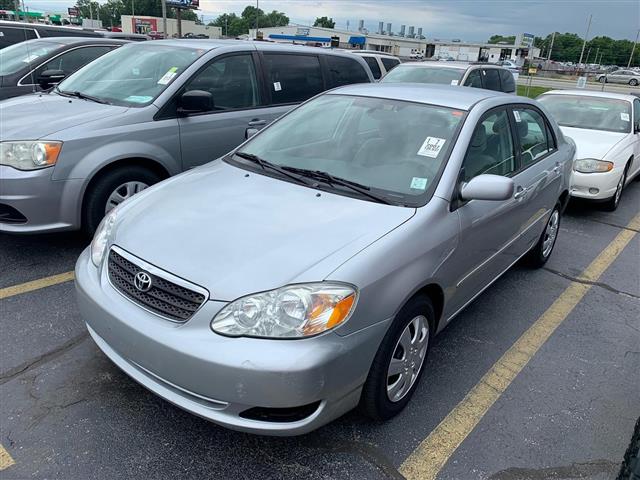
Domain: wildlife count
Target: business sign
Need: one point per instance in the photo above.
(73, 11)
(302, 31)
(582, 82)
(195, 4)
(525, 40)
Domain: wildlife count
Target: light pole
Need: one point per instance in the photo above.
(164, 18)
(584, 44)
(133, 8)
(633, 49)
(553, 37)
(257, 10)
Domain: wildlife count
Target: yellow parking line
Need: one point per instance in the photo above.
(5, 459)
(35, 284)
(433, 453)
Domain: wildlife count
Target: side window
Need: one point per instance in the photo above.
(373, 65)
(344, 71)
(74, 59)
(636, 114)
(389, 63)
(293, 78)
(508, 83)
(533, 135)
(473, 79)
(491, 147)
(491, 79)
(10, 35)
(231, 80)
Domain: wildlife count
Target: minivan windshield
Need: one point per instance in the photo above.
(132, 75)
(19, 55)
(395, 149)
(592, 113)
(422, 74)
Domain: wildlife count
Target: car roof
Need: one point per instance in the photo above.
(591, 93)
(75, 40)
(370, 52)
(461, 98)
(432, 64)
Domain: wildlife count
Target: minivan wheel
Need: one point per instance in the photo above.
(399, 362)
(112, 189)
(541, 251)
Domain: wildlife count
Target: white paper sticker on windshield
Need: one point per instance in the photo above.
(30, 58)
(138, 98)
(418, 183)
(276, 86)
(166, 78)
(431, 147)
(517, 115)
(624, 116)
(454, 82)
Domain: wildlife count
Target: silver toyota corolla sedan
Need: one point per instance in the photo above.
(308, 271)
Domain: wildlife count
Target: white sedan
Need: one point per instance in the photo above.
(606, 129)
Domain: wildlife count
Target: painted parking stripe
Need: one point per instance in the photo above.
(5, 459)
(36, 284)
(433, 453)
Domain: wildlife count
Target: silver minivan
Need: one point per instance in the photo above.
(142, 113)
(308, 271)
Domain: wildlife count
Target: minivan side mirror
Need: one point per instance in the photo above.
(488, 187)
(195, 101)
(49, 78)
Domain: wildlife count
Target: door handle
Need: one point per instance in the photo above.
(520, 193)
(557, 168)
(256, 122)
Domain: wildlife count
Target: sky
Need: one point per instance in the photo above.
(468, 20)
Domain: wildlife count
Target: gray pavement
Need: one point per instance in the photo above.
(68, 413)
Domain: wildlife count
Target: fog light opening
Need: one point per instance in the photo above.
(291, 414)
(594, 191)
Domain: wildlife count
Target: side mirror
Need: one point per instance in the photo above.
(50, 78)
(250, 132)
(488, 187)
(195, 101)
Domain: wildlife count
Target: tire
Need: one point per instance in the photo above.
(542, 250)
(95, 199)
(602, 79)
(612, 204)
(375, 401)
(633, 82)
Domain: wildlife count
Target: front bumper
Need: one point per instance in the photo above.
(42, 204)
(218, 378)
(605, 183)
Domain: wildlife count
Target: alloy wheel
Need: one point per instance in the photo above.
(407, 359)
(550, 233)
(122, 193)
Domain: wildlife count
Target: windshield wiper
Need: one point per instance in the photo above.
(266, 164)
(332, 180)
(81, 95)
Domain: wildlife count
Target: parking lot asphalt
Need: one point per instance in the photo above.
(567, 411)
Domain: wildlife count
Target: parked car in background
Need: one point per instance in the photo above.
(142, 113)
(34, 65)
(380, 63)
(309, 271)
(16, 32)
(606, 129)
(508, 64)
(482, 75)
(628, 77)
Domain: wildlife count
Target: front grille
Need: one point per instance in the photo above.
(164, 297)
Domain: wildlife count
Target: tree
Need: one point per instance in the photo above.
(7, 5)
(232, 25)
(112, 10)
(324, 22)
(500, 39)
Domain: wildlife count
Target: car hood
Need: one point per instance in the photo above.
(235, 232)
(592, 143)
(34, 116)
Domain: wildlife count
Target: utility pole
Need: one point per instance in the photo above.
(164, 18)
(133, 8)
(179, 21)
(257, 7)
(584, 44)
(595, 60)
(633, 49)
(90, 10)
(586, 60)
(16, 5)
(553, 37)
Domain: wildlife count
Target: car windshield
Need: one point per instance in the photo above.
(17, 56)
(422, 74)
(132, 75)
(592, 113)
(396, 149)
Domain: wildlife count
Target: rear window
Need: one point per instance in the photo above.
(345, 71)
(373, 65)
(293, 78)
(492, 79)
(389, 63)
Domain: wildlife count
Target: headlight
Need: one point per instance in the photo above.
(102, 236)
(29, 155)
(591, 165)
(289, 312)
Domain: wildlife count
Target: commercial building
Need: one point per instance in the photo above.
(409, 46)
(147, 25)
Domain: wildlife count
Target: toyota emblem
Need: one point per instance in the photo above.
(142, 281)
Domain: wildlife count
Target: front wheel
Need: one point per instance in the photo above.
(612, 204)
(603, 80)
(541, 251)
(633, 82)
(399, 362)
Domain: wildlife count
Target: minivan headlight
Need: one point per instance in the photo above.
(102, 236)
(293, 311)
(592, 165)
(29, 155)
